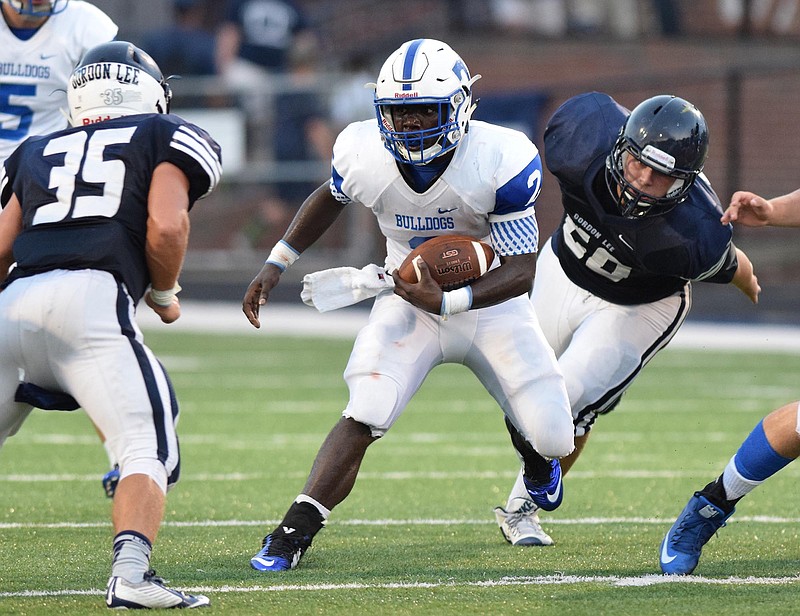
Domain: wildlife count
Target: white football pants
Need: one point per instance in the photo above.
(74, 332)
(503, 345)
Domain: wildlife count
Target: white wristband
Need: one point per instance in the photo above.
(282, 255)
(164, 298)
(456, 301)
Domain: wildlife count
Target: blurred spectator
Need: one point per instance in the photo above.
(620, 18)
(253, 47)
(561, 17)
(758, 16)
(669, 17)
(302, 144)
(256, 37)
(186, 47)
(351, 98)
(543, 16)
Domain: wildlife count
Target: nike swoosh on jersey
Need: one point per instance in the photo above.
(666, 557)
(442, 210)
(47, 57)
(624, 241)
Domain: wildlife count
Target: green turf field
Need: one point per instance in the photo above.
(417, 535)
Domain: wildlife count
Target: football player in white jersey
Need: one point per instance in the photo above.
(425, 169)
(41, 42)
(772, 445)
(96, 217)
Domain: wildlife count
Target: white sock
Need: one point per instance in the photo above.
(735, 485)
(323, 511)
(519, 494)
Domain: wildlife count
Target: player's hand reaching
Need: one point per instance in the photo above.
(748, 209)
(257, 293)
(168, 314)
(425, 294)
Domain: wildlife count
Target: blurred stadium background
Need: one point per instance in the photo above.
(737, 60)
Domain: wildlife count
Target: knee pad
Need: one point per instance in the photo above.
(374, 403)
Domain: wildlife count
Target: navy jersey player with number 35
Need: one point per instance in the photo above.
(425, 169)
(96, 217)
(614, 282)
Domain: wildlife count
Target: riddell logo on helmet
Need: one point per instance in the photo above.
(406, 94)
(95, 120)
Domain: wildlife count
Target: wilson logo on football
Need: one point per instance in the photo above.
(455, 268)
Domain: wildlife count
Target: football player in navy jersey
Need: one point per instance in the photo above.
(96, 217)
(614, 282)
(773, 443)
(425, 169)
(41, 41)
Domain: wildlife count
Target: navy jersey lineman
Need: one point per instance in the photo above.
(96, 217)
(425, 169)
(614, 282)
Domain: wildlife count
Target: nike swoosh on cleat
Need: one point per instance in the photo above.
(666, 557)
(266, 563)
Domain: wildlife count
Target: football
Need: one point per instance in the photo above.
(453, 260)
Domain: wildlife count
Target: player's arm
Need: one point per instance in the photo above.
(10, 227)
(318, 212)
(167, 238)
(514, 277)
(744, 279)
(752, 210)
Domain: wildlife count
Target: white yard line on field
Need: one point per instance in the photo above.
(542, 580)
(588, 521)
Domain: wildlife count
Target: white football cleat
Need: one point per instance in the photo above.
(521, 527)
(149, 593)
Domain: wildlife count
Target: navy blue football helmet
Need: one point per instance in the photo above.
(116, 79)
(669, 135)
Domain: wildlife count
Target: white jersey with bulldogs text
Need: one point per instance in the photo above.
(488, 189)
(34, 72)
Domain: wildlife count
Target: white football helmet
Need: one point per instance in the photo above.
(113, 80)
(424, 71)
(37, 8)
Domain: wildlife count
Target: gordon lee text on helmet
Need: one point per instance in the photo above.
(122, 73)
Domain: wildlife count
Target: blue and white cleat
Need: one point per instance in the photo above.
(110, 481)
(547, 496)
(281, 550)
(681, 547)
(149, 593)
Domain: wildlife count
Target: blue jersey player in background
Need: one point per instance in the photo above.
(614, 282)
(96, 217)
